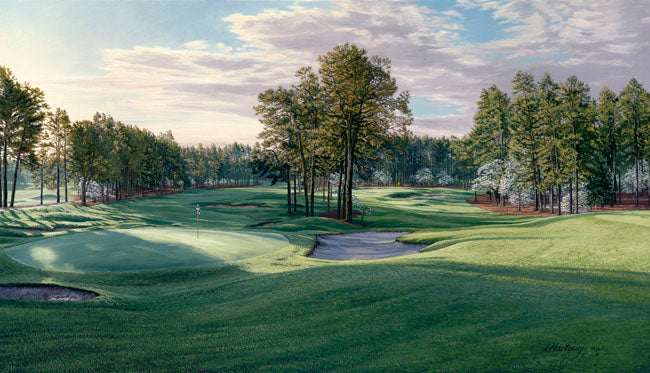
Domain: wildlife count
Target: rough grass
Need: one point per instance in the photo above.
(500, 293)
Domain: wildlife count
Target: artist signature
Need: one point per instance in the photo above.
(573, 351)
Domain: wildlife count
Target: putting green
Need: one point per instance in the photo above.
(143, 249)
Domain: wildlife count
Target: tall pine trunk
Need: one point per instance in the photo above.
(295, 192)
(577, 194)
(13, 187)
(58, 178)
(4, 172)
(559, 199)
(636, 178)
(313, 183)
(338, 196)
(289, 190)
(65, 174)
(329, 192)
(349, 170)
(552, 200)
(636, 162)
(612, 197)
(84, 185)
(570, 196)
(42, 161)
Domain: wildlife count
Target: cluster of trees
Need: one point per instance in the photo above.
(214, 166)
(412, 159)
(331, 121)
(552, 144)
(112, 156)
(22, 118)
(103, 154)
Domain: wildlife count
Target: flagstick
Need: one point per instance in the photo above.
(198, 212)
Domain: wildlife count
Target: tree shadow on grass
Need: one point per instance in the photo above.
(411, 314)
(440, 313)
(129, 253)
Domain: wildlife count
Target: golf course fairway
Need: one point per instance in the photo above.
(487, 293)
(143, 249)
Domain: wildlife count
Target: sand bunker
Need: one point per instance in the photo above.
(433, 195)
(45, 292)
(363, 246)
(235, 206)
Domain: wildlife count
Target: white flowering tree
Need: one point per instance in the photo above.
(363, 209)
(628, 180)
(583, 206)
(514, 186)
(94, 190)
(424, 176)
(488, 177)
(334, 178)
(379, 177)
(444, 178)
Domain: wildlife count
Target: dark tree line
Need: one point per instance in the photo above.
(215, 166)
(554, 142)
(110, 156)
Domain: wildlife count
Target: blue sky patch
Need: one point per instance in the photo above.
(479, 25)
(423, 107)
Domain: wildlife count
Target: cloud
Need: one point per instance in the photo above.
(204, 87)
(196, 45)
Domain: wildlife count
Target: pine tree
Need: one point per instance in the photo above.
(577, 117)
(526, 130)
(634, 104)
(362, 104)
(609, 135)
(58, 128)
(553, 155)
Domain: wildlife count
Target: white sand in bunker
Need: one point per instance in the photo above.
(363, 246)
(45, 292)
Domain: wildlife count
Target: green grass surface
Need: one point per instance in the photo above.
(31, 197)
(143, 249)
(491, 292)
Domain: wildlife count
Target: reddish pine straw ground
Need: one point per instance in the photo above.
(627, 202)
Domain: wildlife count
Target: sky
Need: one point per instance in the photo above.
(196, 67)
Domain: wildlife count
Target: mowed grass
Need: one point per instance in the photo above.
(32, 197)
(143, 249)
(491, 292)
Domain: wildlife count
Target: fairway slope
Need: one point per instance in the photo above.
(491, 293)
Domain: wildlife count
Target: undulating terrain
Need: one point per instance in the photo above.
(490, 293)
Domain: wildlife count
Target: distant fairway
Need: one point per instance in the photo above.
(32, 197)
(143, 249)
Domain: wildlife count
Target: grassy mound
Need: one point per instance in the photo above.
(498, 293)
